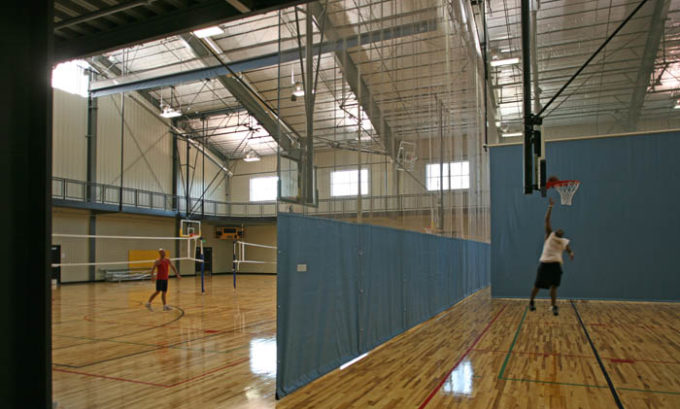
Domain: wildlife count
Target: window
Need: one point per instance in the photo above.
(72, 77)
(346, 182)
(263, 189)
(456, 175)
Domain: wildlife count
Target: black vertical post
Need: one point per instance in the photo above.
(205, 141)
(175, 199)
(175, 174)
(92, 108)
(485, 56)
(26, 212)
(122, 150)
(186, 181)
(308, 187)
(526, 83)
(91, 147)
(92, 245)
(440, 224)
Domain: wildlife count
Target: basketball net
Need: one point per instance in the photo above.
(566, 189)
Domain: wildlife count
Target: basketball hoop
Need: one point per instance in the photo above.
(566, 189)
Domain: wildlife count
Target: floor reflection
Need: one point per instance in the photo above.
(460, 380)
(263, 357)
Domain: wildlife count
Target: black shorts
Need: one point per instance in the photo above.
(162, 285)
(548, 275)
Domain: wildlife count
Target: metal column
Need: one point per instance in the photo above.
(526, 82)
(26, 166)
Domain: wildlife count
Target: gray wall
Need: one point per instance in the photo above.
(623, 223)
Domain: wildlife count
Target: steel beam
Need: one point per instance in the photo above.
(192, 16)
(263, 61)
(252, 102)
(103, 64)
(656, 31)
(351, 71)
(101, 13)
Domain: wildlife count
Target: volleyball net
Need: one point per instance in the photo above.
(88, 257)
(252, 254)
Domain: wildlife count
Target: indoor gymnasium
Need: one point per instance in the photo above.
(340, 204)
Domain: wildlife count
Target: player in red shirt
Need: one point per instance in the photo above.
(161, 266)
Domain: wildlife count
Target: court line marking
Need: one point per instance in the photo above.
(87, 318)
(555, 383)
(226, 351)
(444, 378)
(160, 385)
(514, 340)
(159, 347)
(613, 360)
(135, 353)
(239, 362)
(649, 391)
(114, 378)
(599, 361)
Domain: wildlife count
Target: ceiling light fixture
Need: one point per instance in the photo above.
(506, 61)
(208, 32)
(251, 156)
(677, 104)
(511, 134)
(298, 91)
(169, 112)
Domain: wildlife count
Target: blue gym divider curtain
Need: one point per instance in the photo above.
(623, 224)
(363, 285)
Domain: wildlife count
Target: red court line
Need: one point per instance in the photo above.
(109, 377)
(151, 326)
(613, 360)
(479, 337)
(210, 372)
(114, 378)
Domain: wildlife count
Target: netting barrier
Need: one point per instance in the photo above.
(120, 258)
(241, 258)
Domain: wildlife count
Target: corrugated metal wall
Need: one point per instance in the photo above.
(244, 171)
(147, 143)
(197, 180)
(69, 136)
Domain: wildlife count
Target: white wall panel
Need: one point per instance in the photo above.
(67, 221)
(108, 140)
(69, 135)
(201, 173)
(147, 142)
(244, 171)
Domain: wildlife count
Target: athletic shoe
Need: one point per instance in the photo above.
(555, 310)
(532, 307)
(148, 306)
(166, 308)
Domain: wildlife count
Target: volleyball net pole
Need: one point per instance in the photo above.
(239, 256)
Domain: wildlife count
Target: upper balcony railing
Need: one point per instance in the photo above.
(97, 193)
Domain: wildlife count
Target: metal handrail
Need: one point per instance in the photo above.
(89, 192)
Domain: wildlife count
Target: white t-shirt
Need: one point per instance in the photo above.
(553, 248)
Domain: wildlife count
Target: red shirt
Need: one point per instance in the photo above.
(163, 266)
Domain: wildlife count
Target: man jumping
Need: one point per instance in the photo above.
(550, 270)
(161, 278)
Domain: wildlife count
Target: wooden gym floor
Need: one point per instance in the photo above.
(219, 351)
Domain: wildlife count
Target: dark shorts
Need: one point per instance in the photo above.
(162, 285)
(549, 274)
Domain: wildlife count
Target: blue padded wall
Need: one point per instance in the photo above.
(363, 285)
(624, 221)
